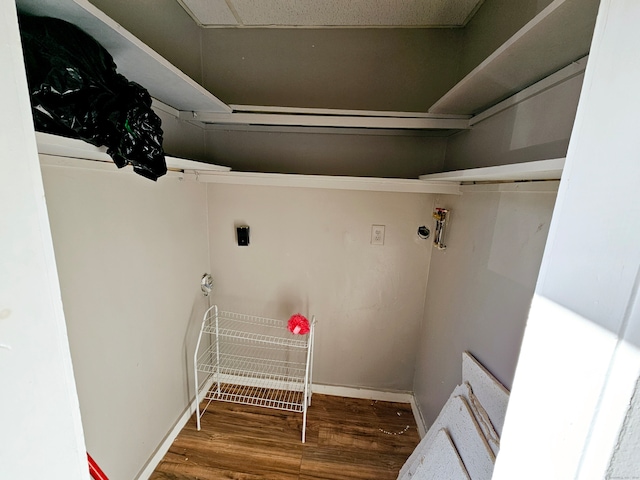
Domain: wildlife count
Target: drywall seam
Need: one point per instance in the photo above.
(422, 425)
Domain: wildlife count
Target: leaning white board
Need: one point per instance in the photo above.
(480, 415)
(441, 461)
(491, 394)
(457, 419)
(468, 438)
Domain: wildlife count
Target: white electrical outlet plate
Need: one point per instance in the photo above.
(377, 234)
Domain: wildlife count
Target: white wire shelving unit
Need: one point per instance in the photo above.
(254, 361)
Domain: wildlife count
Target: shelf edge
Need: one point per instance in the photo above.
(57, 146)
(550, 169)
(396, 185)
(435, 122)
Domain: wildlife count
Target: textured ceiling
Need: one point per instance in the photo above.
(331, 13)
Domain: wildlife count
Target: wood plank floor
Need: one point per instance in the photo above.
(346, 439)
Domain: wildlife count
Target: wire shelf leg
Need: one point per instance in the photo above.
(304, 423)
(195, 369)
(309, 380)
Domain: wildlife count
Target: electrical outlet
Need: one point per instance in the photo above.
(377, 234)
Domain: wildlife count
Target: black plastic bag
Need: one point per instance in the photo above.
(76, 92)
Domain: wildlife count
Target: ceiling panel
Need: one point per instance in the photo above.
(204, 11)
(332, 13)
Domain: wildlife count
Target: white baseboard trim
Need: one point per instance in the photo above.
(355, 392)
(417, 414)
(382, 396)
(164, 446)
(338, 391)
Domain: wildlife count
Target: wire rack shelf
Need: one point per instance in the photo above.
(253, 361)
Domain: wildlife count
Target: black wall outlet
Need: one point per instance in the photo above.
(243, 236)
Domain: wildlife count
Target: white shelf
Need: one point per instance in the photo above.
(372, 184)
(556, 37)
(57, 146)
(134, 59)
(309, 117)
(439, 183)
(139, 63)
(85, 155)
(538, 170)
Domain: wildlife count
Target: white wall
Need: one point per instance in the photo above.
(480, 287)
(40, 430)
(180, 138)
(325, 152)
(130, 255)
(580, 359)
(310, 251)
(535, 129)
(392, 69)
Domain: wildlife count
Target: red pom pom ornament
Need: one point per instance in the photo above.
(298, 324)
